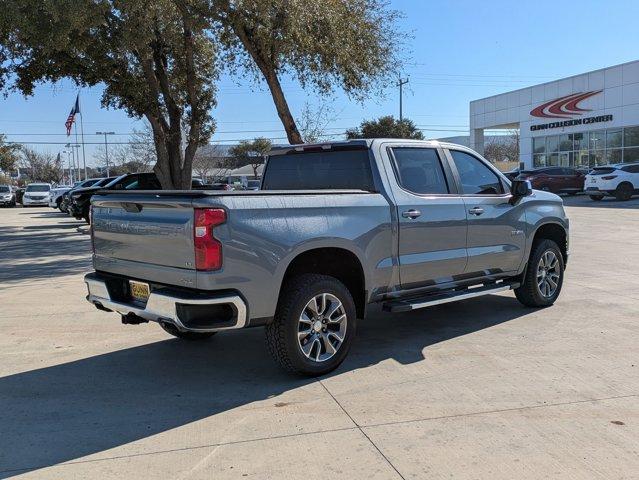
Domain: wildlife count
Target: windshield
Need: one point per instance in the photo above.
(104, 181)
(38, 188)
(4, 189)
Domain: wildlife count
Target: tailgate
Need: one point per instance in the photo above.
(145, 229)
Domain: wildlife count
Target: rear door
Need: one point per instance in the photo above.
(496, 228)
(432, 218)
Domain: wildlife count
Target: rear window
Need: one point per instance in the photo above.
(340, 169)
(602, 171)
(38, 188)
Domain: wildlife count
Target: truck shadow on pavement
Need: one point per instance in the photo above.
(65, 412)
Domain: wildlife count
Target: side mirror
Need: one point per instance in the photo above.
(521, 188)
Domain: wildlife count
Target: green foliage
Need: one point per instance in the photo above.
(8, 155)
(156, 58)
(386, 127)
(251, 152)
(350, 45)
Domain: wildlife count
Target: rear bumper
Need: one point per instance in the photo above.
(166, 306)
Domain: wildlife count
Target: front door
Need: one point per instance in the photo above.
(496, 228)
(432, 218)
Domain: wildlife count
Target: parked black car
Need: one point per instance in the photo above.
(65, 201)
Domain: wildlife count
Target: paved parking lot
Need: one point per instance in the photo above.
(483, 388)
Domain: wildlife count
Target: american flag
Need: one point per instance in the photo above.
(72, 113)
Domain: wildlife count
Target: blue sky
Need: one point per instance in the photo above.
(460, 51)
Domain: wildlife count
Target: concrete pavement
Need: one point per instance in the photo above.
(483, 388)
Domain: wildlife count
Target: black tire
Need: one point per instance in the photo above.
(624, 191)
(190, 336)
(282, 332)
(596, 198)
(529, 293)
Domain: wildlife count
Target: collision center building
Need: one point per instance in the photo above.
(584, 120)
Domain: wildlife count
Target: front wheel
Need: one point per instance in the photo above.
(191, 336)
(624, 192)
(544, 276)
(314, 325)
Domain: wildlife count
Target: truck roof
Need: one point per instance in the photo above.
(354, 144)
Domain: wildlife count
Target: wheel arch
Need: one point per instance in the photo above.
(335, 261)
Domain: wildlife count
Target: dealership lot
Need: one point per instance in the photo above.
(483, 388)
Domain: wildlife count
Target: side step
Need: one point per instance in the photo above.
(414, 303)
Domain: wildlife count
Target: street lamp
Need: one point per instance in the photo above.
(106, 147)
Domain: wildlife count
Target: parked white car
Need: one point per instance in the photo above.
(619, 180)
(36, 194)
(7, 196)
(55, 197)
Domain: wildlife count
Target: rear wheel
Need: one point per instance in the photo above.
(314, 325)
(596, 198)
(544, 276)
(191, 336)
(624, 191)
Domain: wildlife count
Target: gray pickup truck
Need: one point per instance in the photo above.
(335, 228)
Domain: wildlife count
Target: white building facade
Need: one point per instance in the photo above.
(585, 120)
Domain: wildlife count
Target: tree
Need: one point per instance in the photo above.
(9, 155)
(503, 148)
(155, 58)
(210, 160)
(42, 167)
(251, 152)
(348, 44)
(314, 122)
(386, 127)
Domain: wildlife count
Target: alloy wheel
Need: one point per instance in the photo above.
(548, 274)
(322, 327)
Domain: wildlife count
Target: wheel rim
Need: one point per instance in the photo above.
(322, 327)
(548, 274)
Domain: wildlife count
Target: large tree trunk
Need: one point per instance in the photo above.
(270, 75)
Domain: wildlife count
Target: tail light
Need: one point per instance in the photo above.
(609, 177)
(208, 250)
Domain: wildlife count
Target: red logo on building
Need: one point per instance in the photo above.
(564, 107)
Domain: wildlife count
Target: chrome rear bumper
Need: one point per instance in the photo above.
(161, 307)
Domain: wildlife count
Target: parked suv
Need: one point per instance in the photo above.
(555, 179)
(620, 180)
(336, 228)
(7, 196)
(36, 194)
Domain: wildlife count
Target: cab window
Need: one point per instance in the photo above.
(476, 178)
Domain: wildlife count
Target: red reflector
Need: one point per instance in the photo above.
(208, 250)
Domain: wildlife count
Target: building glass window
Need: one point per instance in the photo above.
(614, 138)
(553, 160)
(613, 155)
(581, 141)
(539, 145)
(565, 159)
(597, 140)
(597, 158)
(565, 143)
(631, 137)
(631, 155)
(582, 159)
(552, 144)
(539, 160)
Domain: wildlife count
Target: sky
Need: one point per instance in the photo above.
(458, 51)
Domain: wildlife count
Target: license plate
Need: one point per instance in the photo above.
(139, 291)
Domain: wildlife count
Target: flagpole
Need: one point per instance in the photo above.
(84, 158)
(78, 146)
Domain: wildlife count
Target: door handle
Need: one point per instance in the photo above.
(476, 211)
(412, 213)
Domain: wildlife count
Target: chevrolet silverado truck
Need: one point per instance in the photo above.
(335, 228)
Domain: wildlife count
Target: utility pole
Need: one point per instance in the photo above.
(106, 148)
(77, 156)
(400, 83)
(68, 145)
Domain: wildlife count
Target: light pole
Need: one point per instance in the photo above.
(70, 174)
(106, 147)
(73, 172)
